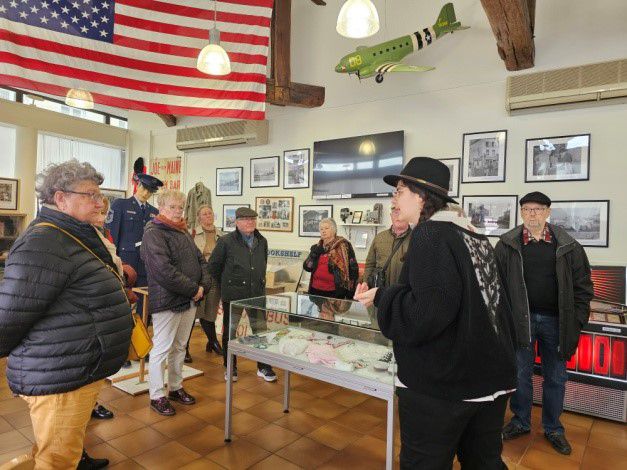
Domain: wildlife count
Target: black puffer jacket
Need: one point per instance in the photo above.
(174, 265)
(65, 321)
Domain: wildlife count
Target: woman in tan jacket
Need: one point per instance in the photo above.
(205, 237)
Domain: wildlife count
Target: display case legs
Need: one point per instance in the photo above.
(286, 392)
(229, 397)
(389, 451)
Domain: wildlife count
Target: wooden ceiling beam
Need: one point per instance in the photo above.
(169, 119)
(512, 23)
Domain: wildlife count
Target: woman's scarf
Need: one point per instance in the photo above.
(180, 226)
(339, 257)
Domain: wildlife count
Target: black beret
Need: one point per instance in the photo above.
(244, 212)
(536, 196)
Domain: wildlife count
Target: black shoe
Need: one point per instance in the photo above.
(512, 431)
(559, 442)
(188, 358)
(127, 364)
(88, 463)
(147, 358)
(100, 412)
(214, 346)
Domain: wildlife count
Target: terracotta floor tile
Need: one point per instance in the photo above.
(607, 442)
(538, 459)
(202, 464)
(599, 459)
(12, 405)
(138, 442)
(243, 399)
(104, 450)
(169, 456)
(298, 399)
(250, 380)
(319, 389)
(381, 432)
(245, 423)
(146, 415)
(576, 419)
(274, 462)
(541, 443)
(357, 420)
(205, 440)
(515, 450)
(577, 433)
(217, 391)
(324, 408)
(307, 453)
(91, 439)
(12, 440)
(129, 403)
(116, 427)
(19, 419)
(27, 432)
(7, 456)
(110, 393)
(126, 465)
(238, 454)
(300, 422)
(334, 435)
(348, 398)
(179, 425)
(375, 407)
(269, 410)
(602, 426)
(268, 390)
(351, 458)
(211, 412)
(5, 426)
(272, 437)
(370, 446)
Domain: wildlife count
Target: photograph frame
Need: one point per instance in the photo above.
(496, 232)
(221, 191)
(455, 175)
(357, 216)
(301, 219)
(113, 194)
(583, 175)
(9, 194)
(604, 227)
(501, 163)
(306, 165)
(226, 207)
(271, 210)
(276, 160)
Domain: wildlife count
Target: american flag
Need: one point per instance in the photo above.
(138, 54)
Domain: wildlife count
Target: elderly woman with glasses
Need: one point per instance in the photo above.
(65, 321)
(177, 281)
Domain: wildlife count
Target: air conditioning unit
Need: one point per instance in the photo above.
(585, 83)
(236, 133)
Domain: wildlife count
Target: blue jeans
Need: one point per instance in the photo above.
(544, 329)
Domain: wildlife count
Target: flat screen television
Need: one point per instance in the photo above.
(354, 167)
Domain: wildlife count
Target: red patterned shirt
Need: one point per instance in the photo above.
(545, 236)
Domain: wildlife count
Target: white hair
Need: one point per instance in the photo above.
(168, 194)
(329, 221)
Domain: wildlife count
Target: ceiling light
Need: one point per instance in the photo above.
(358, 19)
(213, 59)
(79, 98)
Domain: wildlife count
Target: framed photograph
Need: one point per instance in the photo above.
(9, 192)
(276, 214)
(113, 194)
(483, 157)
(296, 168)
(228, 216)
(453, 184)
(588, 222)
(492, 215)
(264, 172)
(309, 218)
(357, 217)
(562, 158)
(229, 181)
(360, 237)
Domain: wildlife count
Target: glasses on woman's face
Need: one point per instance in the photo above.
(95, 197)
(399, 191)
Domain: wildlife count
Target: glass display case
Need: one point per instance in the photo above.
(333, 340)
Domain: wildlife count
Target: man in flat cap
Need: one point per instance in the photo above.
(239, 262)
(547, 278)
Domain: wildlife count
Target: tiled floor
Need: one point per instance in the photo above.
(328, 428)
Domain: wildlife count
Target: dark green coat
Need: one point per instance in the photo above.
(240, 270)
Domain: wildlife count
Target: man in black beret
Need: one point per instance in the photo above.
(547, 277)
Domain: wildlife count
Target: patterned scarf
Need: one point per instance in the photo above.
(180, 226)
(339, 257)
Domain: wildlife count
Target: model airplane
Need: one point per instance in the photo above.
(387, 56)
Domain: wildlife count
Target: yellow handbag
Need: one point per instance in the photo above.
(141, 343)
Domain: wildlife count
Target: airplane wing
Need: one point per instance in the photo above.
(400, 67)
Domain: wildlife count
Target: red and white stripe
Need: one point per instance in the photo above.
(151, 66)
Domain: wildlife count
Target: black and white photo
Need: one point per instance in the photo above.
(483, 157)
(276, 214)
(491, 215)
(9, 194)
(228, 216)
(453, 184)
(113, 194)
(296, 168)
(264, 172)
(563, 158)
(588, 222)
(309, 218)
(229, 181)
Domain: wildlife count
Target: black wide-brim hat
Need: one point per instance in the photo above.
(427, 173)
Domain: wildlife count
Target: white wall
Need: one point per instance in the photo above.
(464, 94)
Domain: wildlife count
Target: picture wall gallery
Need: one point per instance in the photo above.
(353, 168)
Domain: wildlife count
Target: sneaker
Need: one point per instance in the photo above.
(234, 375)
(162, 406)
(513, 430)
(100, 412)
(182, 397)
(267, 374)
(559, 442)
(188, 358)
(88, 463)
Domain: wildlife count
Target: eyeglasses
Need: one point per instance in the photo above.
(95, 197)
(398, 192)
(533, 210)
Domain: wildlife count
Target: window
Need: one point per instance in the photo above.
(117, 122)
(63, 108)
(109, 161)
(7, 94)
(7, 155)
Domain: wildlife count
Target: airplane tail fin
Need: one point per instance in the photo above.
(447, 22)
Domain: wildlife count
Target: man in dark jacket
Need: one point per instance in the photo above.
(547, 277)
(65, 321)
(239, 262)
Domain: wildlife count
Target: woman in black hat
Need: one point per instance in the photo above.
(451, 328)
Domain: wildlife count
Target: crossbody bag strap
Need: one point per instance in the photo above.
(395, 248)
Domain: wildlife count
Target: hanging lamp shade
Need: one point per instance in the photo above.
(358, 19)
(213, 59)
(79, 98)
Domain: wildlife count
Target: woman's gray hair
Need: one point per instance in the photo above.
(166, 195)
(201, 207)
(64, 177)
(329, 221)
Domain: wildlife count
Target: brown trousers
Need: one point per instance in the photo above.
(59, 423)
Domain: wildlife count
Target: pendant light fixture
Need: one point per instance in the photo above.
(213, 59)
(358, 19)
(79, 98)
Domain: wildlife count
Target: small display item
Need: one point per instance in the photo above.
(357, 217)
